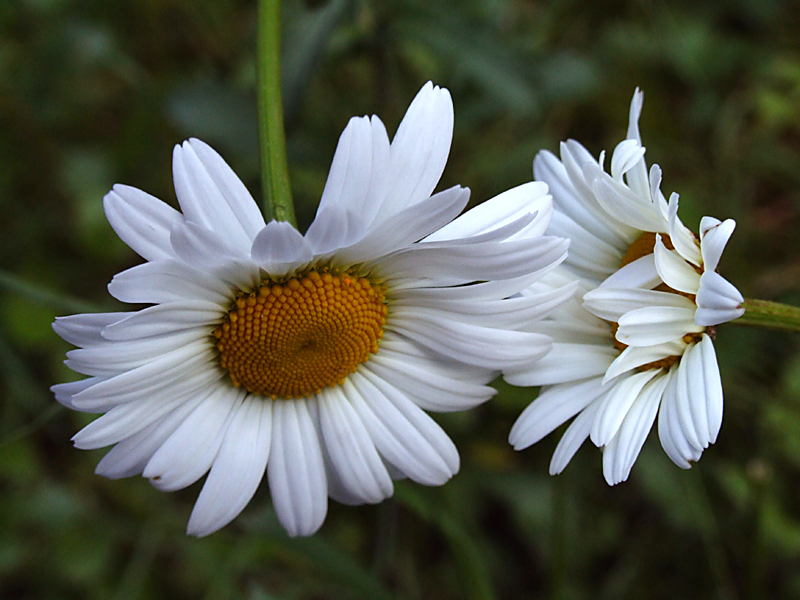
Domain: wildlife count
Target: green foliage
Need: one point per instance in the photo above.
(93, 93)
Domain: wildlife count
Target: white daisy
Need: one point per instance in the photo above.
(310, 358)
(636, 340)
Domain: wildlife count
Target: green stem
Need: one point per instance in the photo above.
(277, 192)
(763, 313)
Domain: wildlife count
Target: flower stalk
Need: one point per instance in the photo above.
(773, 315)
(277, 194)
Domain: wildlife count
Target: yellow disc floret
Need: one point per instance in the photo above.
(294, 338)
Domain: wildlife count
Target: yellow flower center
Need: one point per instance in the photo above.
(642, 246)
(294, 338)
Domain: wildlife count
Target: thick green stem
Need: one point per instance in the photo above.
(774, 315)
(274, 169)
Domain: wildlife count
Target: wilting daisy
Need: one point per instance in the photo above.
(308, 357)
(636, 339)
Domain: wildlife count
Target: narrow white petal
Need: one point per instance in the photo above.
(616, 404)
(237, 470)
(670, 431)
(406, 226)
(125, 420)
(84, 330)
(714, 237)
(418, 151)
(188, 453)
(142, 221)
(351, 450)
(712, 386)
(682, 238)
(168, 280)
(428, 388)
(241, 204)
(620, 454)
(296, 470)
(656, 325)
(112, 358)
(130, 456)
(472, 344)
(404, 435)
(641, 273)
(201, 200)
(334, 228)
(674, 270)
(470, 262)
(165, 318)
(625, 156)
(564, 363)
(611, 303)
(573, 438)
(718, 300)
(554, 406)
(633, 357)
(359, 166)
(501, 210)
(626, 206)
(280, 248)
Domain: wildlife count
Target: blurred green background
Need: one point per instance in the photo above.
(95, 92)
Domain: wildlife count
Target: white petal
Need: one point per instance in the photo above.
(201, 200)
(84, 330)
(419, 150)
(351, 451)
(636, 356)
(611, 303)
(501, 210)
(167, 281)
(682, 239)
(188, 453)
(554, 406)
(626, 206)
(712, 386)
(280, 248)
(296, 469)
(334, 228)
(112, 358)
(470, 262)
(718, 300)
(573, 438)
(670, 431)
(142, 221)
(427, 387)
(620, 454)
(127, 419)
(165, 318)
(641, 273)
(713, 238)
(564, 363)
(614, 407)
(130, 456)
(241, 204)
(674, 270)
(405, 436)
(406, 226)
(625, 156)
(656, 325)
(360, 164)
(237, 470)
(472, 344)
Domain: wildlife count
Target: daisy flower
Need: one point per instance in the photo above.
(635, 342)
(311, 358)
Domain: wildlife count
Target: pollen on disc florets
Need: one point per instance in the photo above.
(293, 338)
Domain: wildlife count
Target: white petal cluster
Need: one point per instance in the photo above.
(171, 411)
(634, 342)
